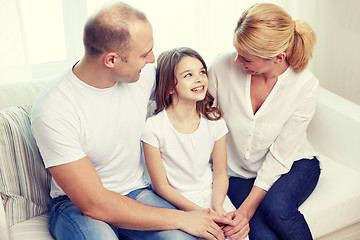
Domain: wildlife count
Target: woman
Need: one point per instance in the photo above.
(268, 99)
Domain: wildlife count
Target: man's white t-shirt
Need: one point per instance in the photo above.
(186, 157)
(71, 120)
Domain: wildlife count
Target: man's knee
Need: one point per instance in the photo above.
(67, 222)
(87, 229)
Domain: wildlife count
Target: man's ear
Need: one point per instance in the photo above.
(280, 57)
(110, 59)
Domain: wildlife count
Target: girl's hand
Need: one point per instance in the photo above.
(219, 210)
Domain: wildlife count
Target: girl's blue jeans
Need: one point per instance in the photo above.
(278, 216)
(67, 222)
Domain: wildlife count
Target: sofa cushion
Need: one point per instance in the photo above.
(335, 202)
(24, 182)
(36, 228)
(4, 229)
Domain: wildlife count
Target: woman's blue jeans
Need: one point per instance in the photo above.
(278, 216)
(67, 221)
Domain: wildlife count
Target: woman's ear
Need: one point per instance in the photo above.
(110, 59)
(280, 57)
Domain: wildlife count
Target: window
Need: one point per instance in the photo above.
(43, 18)
(40, 38)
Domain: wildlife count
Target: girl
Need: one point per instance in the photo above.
(179, 140)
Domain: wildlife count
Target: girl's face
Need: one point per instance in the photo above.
(251, 64)
(192, 81)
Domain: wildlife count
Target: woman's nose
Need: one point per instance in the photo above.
(238, 60)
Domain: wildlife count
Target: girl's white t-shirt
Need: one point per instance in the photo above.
(186, 157)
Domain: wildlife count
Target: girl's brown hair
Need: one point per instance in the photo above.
(266, 30)
(166, 82)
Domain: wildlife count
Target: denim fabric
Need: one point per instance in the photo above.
(67, 221)
(278, 216)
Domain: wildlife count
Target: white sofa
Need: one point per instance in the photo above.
(332, 211)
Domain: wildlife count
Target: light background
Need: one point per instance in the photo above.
(42, 38)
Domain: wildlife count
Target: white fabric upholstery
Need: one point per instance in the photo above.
(335, 129)
(4, 231)
(24, 181)
(19, 93)
(351, 232)
(34, 229)
(335, 203)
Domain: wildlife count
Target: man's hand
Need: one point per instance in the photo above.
(241, 228)
(204, 224)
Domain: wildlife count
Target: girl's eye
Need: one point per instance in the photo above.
(203, 72)
(188, 75)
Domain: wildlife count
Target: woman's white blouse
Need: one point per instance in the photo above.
(265, 144)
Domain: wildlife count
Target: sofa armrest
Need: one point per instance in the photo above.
(335, 129)
(4, 230)
(13, 94)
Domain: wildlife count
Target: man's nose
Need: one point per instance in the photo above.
(151, 57)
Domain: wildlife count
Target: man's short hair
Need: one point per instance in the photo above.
(108, 30)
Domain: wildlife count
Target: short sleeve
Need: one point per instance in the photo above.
(57, 139)
(220, 129)
(149, 134)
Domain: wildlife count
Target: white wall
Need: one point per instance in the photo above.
(337, 54)
(336, 59)
(205, 25)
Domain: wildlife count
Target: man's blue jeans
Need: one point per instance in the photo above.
(67, 221)
(278, 216)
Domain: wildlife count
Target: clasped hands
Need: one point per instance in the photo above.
(238, 227)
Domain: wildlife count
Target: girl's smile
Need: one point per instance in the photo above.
(192, 81)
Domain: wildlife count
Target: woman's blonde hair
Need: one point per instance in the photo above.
(266, 30)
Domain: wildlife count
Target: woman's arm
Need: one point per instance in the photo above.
(244, 213)
(251, 203)
(160, 183)
(221, 180)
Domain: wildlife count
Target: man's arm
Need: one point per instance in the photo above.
(81, 183)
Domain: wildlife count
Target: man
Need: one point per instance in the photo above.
(88, 125)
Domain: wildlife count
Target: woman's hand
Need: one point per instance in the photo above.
(205, 224)
(245, 212)
(241, 228)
